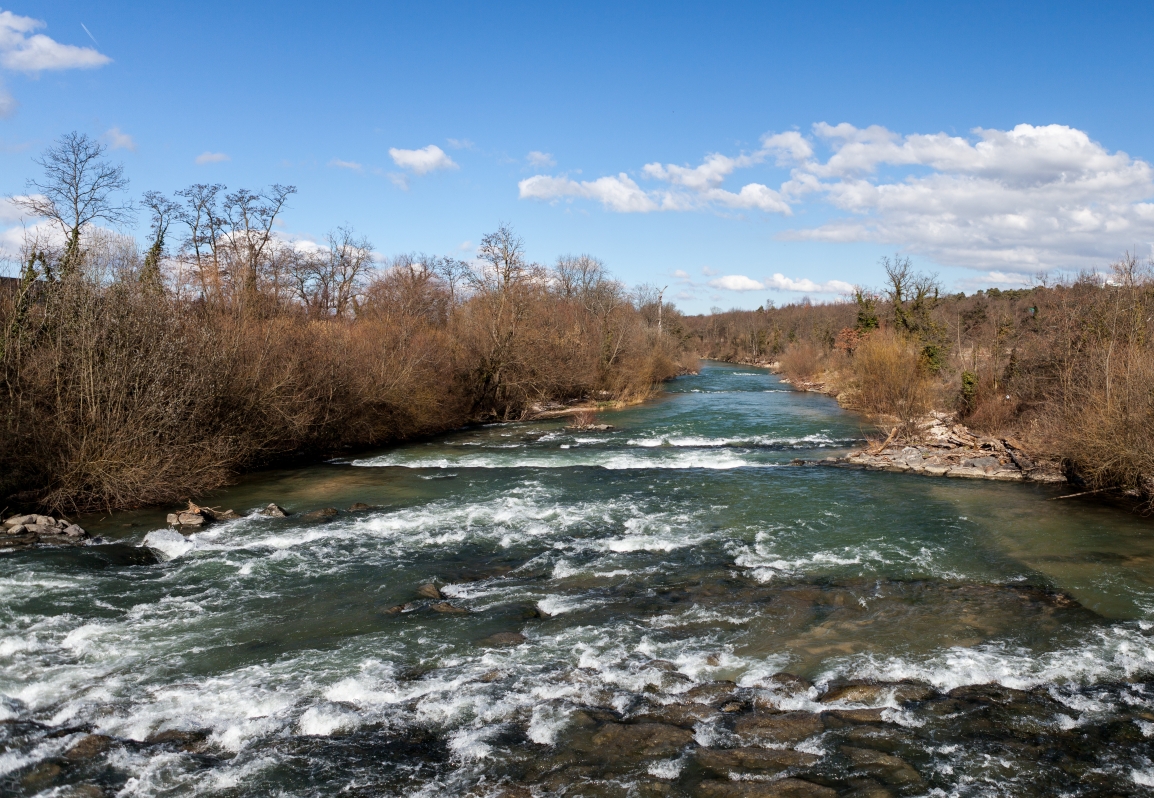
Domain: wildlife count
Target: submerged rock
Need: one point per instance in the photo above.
(447, 608)
(642, 739)
(89, 747)
(760, 727)
(180, 739)
(884, 767)
(429, 591)
(323, 514)
(502, 639)
(780, 788)
(735, 761)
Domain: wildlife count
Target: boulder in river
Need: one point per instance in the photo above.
(779, 788)
(887, 768)
(730, 762)
(447, 608)
(323, 514)
(429, 591)
(502, 639)
(89, 746)
(642, 739)
(761, 728)
(274, 510)
(21, 531)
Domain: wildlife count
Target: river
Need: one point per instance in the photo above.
(617, 611)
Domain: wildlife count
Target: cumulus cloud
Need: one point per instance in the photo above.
(618, 193)
(540, 159)
(780, 282)
(422, 161)
(118, 140)
(339, 164)
(212, 157)
(736, 282)
(1019, 200)
(24, 51)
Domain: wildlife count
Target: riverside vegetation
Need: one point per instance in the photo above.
(1059, 372)
(142, 375)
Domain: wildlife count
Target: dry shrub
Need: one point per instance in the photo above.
(800, 362)
(1109, 437)
(890, 379)
(117, 396)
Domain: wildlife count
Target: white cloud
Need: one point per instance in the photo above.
(460, 144)
(1019, 200)
(339, 164)
(422, 161)
(737, 282)
(212, 157)
(681, 274)
(23, 51)
(707, 271)
(780, 282)
(618, 193)
(119, 141)
(540, 159)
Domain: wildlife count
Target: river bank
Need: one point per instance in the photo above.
(938, 446)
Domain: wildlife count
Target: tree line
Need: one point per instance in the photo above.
(1066, 367)
(143, 373)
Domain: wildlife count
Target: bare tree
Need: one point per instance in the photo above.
(503, 253)
(204, 231)
(163, 211)
(453, 272)
(328, 281)
(250, 218)
(77, 190)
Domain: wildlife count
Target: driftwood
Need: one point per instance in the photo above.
(1083, 493)
(881, 448)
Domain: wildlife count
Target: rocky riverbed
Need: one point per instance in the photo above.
(946, 448)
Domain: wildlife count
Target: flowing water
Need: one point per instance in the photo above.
(661, 576)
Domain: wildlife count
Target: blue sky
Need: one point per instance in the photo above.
(735, 152)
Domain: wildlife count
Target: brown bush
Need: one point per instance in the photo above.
(800, 362)
(890, 379)
(119, 396)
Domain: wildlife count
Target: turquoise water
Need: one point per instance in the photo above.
(680, 547)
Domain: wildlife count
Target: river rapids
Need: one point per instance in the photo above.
(665, 608)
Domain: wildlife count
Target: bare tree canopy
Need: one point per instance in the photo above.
(503, 252)
(78, 189)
